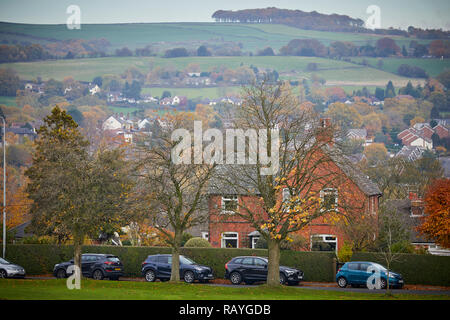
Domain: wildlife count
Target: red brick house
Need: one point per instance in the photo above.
(226, 229)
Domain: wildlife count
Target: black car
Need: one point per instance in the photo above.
(254, 269)
(159, 266)
(93, 265)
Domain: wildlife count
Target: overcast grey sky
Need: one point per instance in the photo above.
(395, 13)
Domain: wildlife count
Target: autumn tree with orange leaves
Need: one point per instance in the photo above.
(436, 222)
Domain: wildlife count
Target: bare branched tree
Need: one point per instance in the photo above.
(302, 188)
(171, 193)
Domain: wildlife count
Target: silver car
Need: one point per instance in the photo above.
(9, 270)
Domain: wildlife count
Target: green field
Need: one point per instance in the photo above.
(334, 71)
(432, 66)
(126, 290)
(164, 35)
(8, 101)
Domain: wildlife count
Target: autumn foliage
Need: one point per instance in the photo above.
(436, 223)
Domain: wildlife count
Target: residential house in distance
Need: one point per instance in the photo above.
(410, 211)
(226, 229)
(22, 133)
(411, 153)
(111, 124)
(93, 89)
(420, 135)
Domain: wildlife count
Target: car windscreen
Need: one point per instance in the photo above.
(3, 261)
(113, 259)
(185, 260)
(379, 266)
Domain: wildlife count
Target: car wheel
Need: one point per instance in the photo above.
(188, 277)
(150, 276)
(383, 283)
(235, 278)
(97, 275)
(60, 274)
(342, 282)
(3, 274)
(282, 279)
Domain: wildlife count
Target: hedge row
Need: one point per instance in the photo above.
(317, 266)
(415, 268)
(40, 258)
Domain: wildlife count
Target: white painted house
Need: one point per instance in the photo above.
(111, 124)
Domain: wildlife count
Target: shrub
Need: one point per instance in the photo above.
(197, 242)
(345, 252)
(185, 238)
(411, 71)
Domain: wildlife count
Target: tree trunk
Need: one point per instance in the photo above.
(175, 274)
(77, 244)
(273, 270)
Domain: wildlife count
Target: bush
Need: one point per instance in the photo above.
(411, 71)
(197, 242)
(345, 252)
(415, 268)
(176, 52)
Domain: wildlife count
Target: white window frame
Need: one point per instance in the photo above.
(327, 191)
(223, 238)
(229, 198)
(286, 194)
(205, 235)
(254, 240)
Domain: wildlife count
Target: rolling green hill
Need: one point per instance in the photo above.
(191, 35)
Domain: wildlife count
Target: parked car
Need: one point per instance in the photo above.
(159, 266)
(356, 273)
(93, 265)
(10, 270)
(254, 269)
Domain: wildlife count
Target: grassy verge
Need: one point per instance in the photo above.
(122, 290)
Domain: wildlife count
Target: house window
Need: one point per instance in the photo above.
(286, 194)
(229, 204)
(329, 197)
(230, 240)
(323, 242)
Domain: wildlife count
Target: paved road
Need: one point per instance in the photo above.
(303, 286)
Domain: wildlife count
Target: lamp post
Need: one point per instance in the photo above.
(4, 187)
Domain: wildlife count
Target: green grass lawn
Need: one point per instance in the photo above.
(123, 290)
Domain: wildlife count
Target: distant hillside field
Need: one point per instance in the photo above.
(432, 66)
(191, 35)
(334, 71)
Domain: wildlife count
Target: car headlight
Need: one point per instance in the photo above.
(290, 272)
(198, 269)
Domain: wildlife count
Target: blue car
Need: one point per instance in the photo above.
(159, 266)
(357, 273)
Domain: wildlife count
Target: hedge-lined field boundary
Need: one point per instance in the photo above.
(41, 258)
(317, 266)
